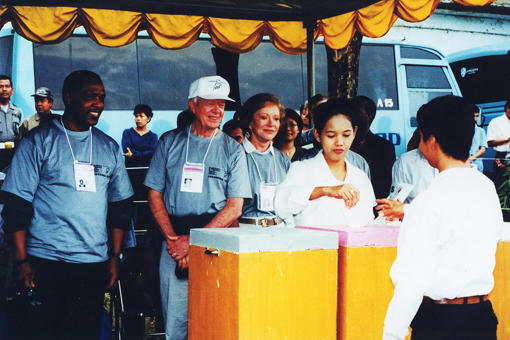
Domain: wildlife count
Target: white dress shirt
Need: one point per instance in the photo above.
(446, 246)
(293, 196)
(412, 168)
(498, 129)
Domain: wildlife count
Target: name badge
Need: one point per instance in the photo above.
(84, 177)
(266, 196)
(192, 178)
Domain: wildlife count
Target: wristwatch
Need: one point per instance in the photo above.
(118, 255)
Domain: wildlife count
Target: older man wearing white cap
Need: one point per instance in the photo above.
(198, 178)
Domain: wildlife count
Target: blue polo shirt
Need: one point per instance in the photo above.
(67, 225)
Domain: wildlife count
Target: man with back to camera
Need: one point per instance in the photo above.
(198, 178)
(43, 103)
(68, 199)
(10, 120)
(447, 242)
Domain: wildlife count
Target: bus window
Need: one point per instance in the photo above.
(165, 75)
(52, 63)
(117, 67)
(418, 98)
(484, 79)
(6, 55)
(266, 69)
(377, 76)
(417, 53)
(423, 83)
(432, 77)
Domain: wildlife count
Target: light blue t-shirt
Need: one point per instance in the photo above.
(225, 176)
(67, 225)
(479, 139)
(270, 172)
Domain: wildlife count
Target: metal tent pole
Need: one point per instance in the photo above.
(310, 26)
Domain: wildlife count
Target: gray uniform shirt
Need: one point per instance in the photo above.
(67, 225)
(271, 165)
(226, 173)
(10, 122)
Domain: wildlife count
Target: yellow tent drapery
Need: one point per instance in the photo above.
(115, 28)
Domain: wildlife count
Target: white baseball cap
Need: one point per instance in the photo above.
(214, 87)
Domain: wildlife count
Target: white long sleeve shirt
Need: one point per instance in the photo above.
(293, 196)
(499, 129)
(412, 168)
(446, 246)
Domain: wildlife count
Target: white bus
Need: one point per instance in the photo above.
(483, 75)
(398, 77)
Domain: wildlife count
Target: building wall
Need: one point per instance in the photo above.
(450, 31)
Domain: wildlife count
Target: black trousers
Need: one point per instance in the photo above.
(455, 322)
(68, 302)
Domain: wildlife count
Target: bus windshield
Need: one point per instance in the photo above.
(483, 79)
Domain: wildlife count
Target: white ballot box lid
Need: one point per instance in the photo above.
(253, 240)
(505, 232)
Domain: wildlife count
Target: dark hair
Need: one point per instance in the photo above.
(475, 109)
(450, 120)
(255, 103)
(185, 118)
(315, 99)
(289, 113)
(327, 110)
(75, 80)
(507, 104)
(232, 125)
(143, 108)
(6, 77)
(366, 103)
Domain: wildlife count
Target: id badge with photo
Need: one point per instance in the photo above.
(266, 196)
(84, 177)
(192, 178)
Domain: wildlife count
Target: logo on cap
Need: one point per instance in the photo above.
(43, 92)
(217, 84)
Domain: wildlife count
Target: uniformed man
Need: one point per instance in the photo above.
(10, 120)
(43, 99)
(198, 178)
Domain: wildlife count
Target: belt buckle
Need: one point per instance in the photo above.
(442, 301)
(263, 222)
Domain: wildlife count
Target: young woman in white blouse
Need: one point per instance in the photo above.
(327, 190)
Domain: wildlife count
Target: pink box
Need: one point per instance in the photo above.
(373, 235)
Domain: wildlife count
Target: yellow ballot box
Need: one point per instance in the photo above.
(262, 283)
(365, 257)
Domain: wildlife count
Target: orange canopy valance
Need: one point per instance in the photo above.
(117, 28)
